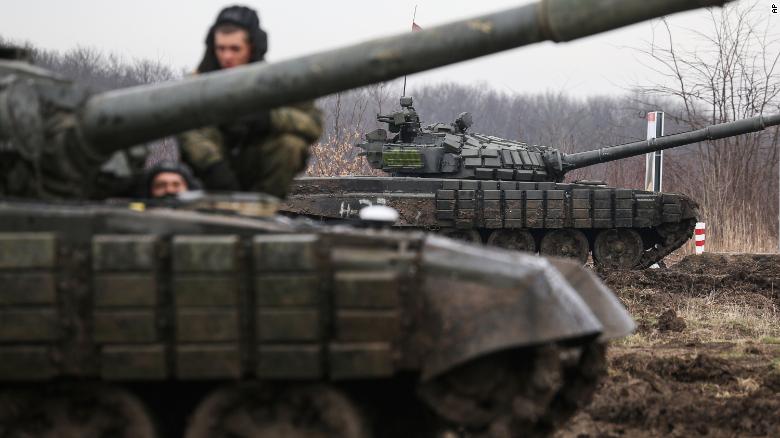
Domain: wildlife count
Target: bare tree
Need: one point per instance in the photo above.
(731, 73)
(98, 70)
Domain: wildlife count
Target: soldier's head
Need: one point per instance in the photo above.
(167, 179)
(234, 39)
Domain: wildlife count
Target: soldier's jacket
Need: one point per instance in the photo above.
(261, 153)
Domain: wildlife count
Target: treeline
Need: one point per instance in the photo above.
(98, 70)
(735, 180)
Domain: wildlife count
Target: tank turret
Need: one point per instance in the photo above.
(446, 150)
(65, 132)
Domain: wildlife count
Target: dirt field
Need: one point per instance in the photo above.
(705, 360)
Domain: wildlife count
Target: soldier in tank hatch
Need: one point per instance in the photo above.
(262, 152)
(167, 178)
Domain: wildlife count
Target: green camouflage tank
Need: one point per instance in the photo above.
(510, 194)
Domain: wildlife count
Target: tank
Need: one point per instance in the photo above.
(214, 317)
(117, 322)
(510, 194)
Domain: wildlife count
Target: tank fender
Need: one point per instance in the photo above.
(476, 301)
(602, 302)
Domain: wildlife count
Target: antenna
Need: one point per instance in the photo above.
(414, 27)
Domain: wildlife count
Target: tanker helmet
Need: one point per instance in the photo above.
(245, 18)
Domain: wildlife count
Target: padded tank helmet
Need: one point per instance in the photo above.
(245, 18)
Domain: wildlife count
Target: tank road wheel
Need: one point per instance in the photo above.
(259, 410)
(518, 240)
(618, 248)
(73, 411)
(462, 234)
(526, 392)
(565, 243)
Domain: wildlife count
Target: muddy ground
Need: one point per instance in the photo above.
(705, 360)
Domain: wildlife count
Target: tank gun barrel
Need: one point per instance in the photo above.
(114, 120)
(713, 132)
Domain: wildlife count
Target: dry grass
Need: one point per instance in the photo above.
(720, 316)
(739, 230)
(338, 156)
(727, 319)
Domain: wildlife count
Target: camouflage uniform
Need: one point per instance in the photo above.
(261, 154)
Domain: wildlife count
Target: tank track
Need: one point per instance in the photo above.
(528, 392)
(73, 410)
(550, 384)
(474, 210)
(532, 392)
(673, 237)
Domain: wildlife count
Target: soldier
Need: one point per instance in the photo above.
(262, 152)
(167, 178)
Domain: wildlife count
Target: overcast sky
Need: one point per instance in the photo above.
(172, 31)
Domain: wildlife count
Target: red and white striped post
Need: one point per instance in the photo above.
(698, 237)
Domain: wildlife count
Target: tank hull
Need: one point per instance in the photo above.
(491, 211)
(112, 308)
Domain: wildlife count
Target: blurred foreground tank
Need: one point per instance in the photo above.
(114, 320)
(217, 318)
(510, 194)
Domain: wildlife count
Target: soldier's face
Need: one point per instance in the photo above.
(232, 49)
(167, 183)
